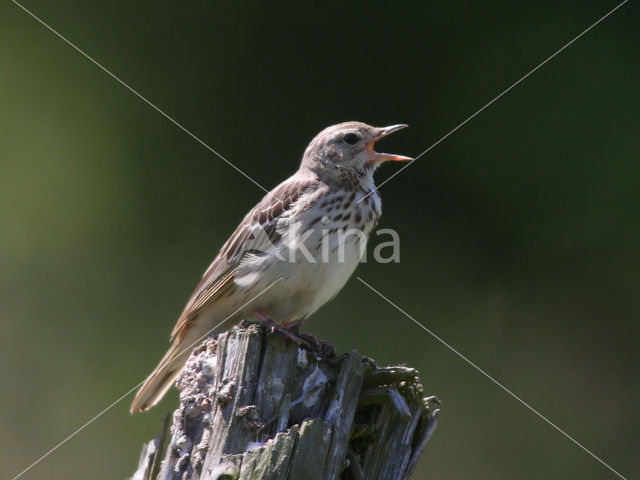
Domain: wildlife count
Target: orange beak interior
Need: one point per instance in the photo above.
(377, 157)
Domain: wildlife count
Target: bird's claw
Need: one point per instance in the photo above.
(322, 348)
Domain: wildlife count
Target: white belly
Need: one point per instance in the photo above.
(311, 263)
(300, 287)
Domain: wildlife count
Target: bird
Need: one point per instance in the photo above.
(290, 254)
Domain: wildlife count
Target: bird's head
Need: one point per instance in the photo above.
(348, 147)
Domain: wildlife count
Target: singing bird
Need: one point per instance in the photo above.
(287, 257)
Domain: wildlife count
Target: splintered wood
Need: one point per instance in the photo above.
(255, 406)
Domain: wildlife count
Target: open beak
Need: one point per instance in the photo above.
(383, 157)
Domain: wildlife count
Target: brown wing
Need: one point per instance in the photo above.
(248, 237)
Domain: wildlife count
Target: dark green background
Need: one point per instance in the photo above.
(519, 233)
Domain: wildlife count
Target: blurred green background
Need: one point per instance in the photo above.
(520, 232)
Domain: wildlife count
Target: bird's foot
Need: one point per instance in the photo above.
(269, 324)
(289, 330)
(297, 323)
(322, 348)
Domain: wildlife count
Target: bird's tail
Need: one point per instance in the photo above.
(162, 377)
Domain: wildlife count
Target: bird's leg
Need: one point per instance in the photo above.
(322, 348)
(273, 327)
(297, 323)
(291, 330)
(269, 324)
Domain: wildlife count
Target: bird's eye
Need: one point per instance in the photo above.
(351, 138)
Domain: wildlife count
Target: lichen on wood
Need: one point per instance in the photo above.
(255, 406)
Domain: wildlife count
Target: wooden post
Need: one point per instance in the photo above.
(255, 406)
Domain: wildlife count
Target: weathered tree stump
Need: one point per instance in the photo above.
(256, 406)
